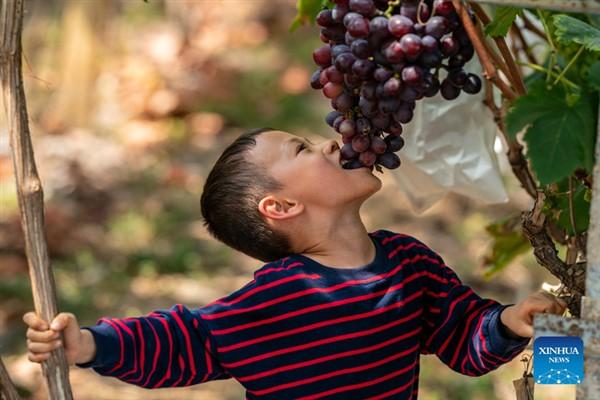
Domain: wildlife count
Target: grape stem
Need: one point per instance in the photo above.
(515, 76)
(391, 6)
(490, 71)
(564, 71)
(546, 70)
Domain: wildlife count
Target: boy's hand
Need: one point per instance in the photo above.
(519, 317)
(42, 339)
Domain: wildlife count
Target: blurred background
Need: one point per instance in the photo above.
(130, 105)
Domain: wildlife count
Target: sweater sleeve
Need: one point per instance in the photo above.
(166, 348)
(462, 329)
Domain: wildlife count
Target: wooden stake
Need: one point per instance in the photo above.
(8, 390)
(29, 190)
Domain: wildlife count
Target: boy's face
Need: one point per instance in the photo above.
(312, 174)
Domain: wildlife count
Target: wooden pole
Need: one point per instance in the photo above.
(29, 190)
(8, 390)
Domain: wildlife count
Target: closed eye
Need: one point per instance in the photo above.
(301, 147)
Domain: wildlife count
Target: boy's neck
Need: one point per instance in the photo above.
(340, 242)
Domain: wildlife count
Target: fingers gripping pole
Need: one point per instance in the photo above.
(29, 189)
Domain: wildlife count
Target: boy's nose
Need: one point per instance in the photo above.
(331, 146)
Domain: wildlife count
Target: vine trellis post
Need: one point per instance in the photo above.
(31, 197)
(588, 325)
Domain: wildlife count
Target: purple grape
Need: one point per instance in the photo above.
(403, 115)
(325, 19)
(437, 26)
(347, 152)
(393, 51)
(456, 61)
(368, 90)
(381, 121)
(334, 75)
(448, 90)
(322, 56)
(399, 25)
(360, 143)
(352, 81)
(348, 128)
(344, 102)
(367, 107)
(394, 143)
(412, 75)
(339, 12)
(339, 49)
(352, 164)
(388, 105)
(349, 39)
(457, 77)
(332, 90)
(358, 27)
(409, 9)
(429, 43)
(334, 33)
(395, 129)
(467, 52)
(365, 7)
(315, 79)
(431, 60)
(382, 74)
(363, 126)
(472, 85)
(462, 37)
(408, 93)
(378, 145)
(367, 158)
(332, 116)
(350, 17)
(337, 122)
(344, 62)
(380, 58)
(432, 86)
(363, 68)
(443, 7)
(361, 48)
(392, 86)
(379, 27)
(450, 46)
(411, 46)
(389, 160)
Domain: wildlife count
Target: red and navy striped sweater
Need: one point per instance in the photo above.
(301, 330)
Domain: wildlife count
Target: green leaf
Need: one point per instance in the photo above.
(581, 206)
(572, 30)
(560, 136)
(307, 11)
(594, 76)
(504, 16)
(509, 242)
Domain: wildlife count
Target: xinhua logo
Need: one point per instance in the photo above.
(558, 360)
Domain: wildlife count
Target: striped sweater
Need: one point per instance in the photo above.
(301, 330)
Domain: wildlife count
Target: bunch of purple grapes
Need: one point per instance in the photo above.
(379, 58)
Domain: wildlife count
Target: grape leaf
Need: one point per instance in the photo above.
(509, 242)
(560, 136)
(504, 16)
(569, 29)
(594, 75)
(307, 11)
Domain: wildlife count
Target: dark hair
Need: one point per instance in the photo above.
(230, 198)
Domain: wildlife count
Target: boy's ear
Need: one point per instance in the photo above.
(279, 208)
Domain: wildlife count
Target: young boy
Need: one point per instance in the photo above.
(335, 313)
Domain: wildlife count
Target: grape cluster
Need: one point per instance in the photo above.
(379, 58)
